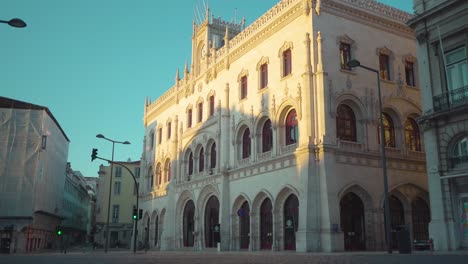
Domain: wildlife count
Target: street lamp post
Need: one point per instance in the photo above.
(106, 248)
(353, 64)
(15, 22)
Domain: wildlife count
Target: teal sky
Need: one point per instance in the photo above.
(93, 62)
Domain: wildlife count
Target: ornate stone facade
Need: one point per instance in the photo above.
(274, 161)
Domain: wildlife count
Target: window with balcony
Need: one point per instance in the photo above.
(457, 69)
(292, 130)
(389, 131)
(412, 135)
(345, 123)
(115, 213)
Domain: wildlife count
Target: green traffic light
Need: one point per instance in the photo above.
(59, 232)
(134, 216)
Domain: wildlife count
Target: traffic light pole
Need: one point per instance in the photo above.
(93, 157)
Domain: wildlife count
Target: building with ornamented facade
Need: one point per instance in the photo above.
(123, 199)
(270, 141)
(33, 162)
(441, 29)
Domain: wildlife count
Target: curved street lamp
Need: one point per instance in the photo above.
(15, 22)
(110, 185)
(353, 64)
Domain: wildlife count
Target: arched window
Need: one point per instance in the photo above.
(190, 164)
(412, 137)
(291, 128)
(267, 136)
(167, 170)
(459, 155)
(212, 105)
(246, 144)
(213, 156)
(158, 175)
(201, 161)
(389, 131)
(189, 118)
(345, 123)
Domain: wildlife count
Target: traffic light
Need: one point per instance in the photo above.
(135, 214)
(59, 231)
(94, 154)
(140, 214)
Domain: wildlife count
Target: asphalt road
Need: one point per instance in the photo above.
(232, 258)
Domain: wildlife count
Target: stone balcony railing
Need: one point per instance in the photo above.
(289, 149)
(244, 162)
(451, 99)
(355, 146)
(264, 156)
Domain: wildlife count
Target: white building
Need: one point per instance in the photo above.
(33, 160)
(270, 141)
(441, 29)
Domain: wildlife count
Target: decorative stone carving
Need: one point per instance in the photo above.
(318, 6)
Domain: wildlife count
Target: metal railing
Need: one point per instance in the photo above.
(450, 99)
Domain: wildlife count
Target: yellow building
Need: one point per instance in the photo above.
(123, 199)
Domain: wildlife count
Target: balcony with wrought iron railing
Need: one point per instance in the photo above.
(451, 99)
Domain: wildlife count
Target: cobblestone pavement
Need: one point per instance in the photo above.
(233, 258)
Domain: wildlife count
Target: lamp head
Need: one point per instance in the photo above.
(126, 143)
(100, 136)
(16, 22)
(353, 63)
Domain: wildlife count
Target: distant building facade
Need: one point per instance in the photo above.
(76, 205)
(270, 141)
(441, 29)
(92, 186)
(123, 200)
(33, 161)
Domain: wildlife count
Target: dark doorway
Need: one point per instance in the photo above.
(421, 218)
(352, 222)
(244, 225)
(291, 216)
(156, 230)
(212, 231)
(397, 214)
(189, 223)
(266, 225)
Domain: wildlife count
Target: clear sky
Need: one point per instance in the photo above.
(93, 62)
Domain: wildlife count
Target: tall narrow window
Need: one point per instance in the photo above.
(243, 87)
(201, 161)
(263, 76)
(117, 188)
(409, 73)
(212, 105)
(246, 144)
(159, 135)
(118, 171)
(190, 164)
(345, 55)
(115, 213)
(287, 62)
(213, 156)
(291, 128)
(200, 112)
(151, 140)
(384, 62)
(389, 131)
(158, 174)
(345, 123)
(412, 137)
(167, 170)
(169, 130)
(189, 118)
(267, 136)
(150, 178)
